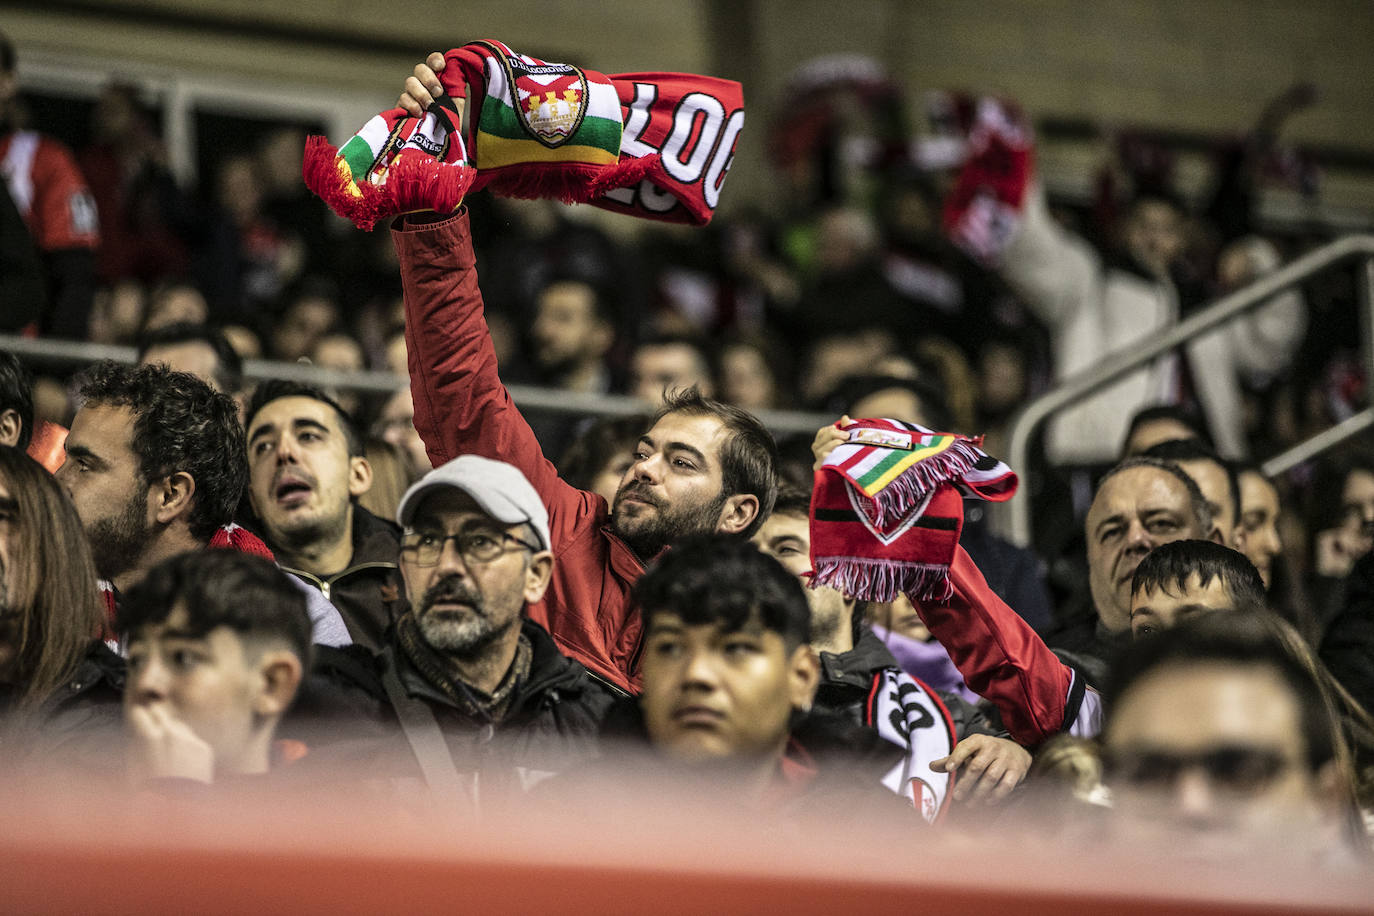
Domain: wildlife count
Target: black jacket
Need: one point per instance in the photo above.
(80, 726)
(552, 724)
(366, 591)
(1348, 646)
(847, 680)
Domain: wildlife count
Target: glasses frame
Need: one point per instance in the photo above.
(412, 556)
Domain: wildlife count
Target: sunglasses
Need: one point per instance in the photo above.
(1235, 768)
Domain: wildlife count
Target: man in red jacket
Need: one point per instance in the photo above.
(701, 467)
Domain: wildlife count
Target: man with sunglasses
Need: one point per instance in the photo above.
(486, 701)
(1218, 744)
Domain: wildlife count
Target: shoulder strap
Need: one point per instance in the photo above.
(427, 741)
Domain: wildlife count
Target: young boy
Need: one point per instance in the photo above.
(1182, 579)
(218, 642)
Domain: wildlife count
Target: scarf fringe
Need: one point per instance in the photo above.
(413, 182)
(571, 184)
(899, 497)
(883, 580)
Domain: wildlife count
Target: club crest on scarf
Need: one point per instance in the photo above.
(551, 99)
(887, 508)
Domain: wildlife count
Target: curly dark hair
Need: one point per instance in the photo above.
(180, 424)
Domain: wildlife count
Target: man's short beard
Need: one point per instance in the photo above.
(118, 540)
(304, 534)
(466, 637)
(648, 536)
(831, 616)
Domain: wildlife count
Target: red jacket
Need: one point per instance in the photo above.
(1004, 660)
(461, 408)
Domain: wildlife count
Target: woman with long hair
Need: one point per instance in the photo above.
(57, 679)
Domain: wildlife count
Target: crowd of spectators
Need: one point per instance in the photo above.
(225, 584)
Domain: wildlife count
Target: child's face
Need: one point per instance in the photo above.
(209, 683)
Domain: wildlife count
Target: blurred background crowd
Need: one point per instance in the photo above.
(845, 286)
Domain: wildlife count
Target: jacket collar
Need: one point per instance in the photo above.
(375, 539)
(857, 666)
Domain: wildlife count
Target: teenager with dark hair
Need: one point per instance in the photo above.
(1181, 579)
(307, 469)
(727, 655)
(729, 695)
(218, 643)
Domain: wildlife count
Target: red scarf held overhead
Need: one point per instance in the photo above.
(985, 207)
(534, 136)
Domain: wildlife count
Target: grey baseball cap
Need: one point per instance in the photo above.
(498, 488)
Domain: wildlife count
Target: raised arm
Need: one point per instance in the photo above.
(1004, 660)
(1001, 658)
(461, 406)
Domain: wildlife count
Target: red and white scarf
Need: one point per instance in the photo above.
(653, 145)
(887, 508)
(984, 208)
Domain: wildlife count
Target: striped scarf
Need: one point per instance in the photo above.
(654, 145)
(888, 508)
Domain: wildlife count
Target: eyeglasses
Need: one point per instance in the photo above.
(424, 548)
(1238, 769)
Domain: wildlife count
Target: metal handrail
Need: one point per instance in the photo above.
(1111, 368)
(528, 397)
